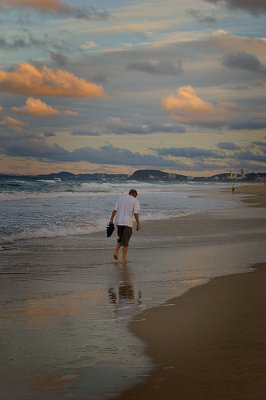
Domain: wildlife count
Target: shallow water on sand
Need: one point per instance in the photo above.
(64, 332)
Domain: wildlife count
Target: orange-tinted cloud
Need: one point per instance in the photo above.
(41, 5)
(70, 113)
(37, 108)
(188, 108)
(116, 122)
(9, 121)
(27, 79)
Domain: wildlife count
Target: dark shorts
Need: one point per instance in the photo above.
(124, 234)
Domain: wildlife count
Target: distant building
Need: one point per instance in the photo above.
(232, 175)
(171, 176)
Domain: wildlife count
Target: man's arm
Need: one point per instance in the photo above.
(136, 216)
(112, 216)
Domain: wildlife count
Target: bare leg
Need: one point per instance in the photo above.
(117, 247)
(124, 250)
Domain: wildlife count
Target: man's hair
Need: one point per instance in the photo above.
(133, 191)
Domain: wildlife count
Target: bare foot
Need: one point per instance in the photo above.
(116, 257)
(124, 260)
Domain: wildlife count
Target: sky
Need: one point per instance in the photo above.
(114, 86)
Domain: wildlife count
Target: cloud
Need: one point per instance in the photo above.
(187, 108)
(36, 107)
(260, 144)
(255, 6)
(24, 39)
(88, 45)
(59, 58)
(27, 79)
(89, 13)
(85, 132)
(244, 124)
(250, 156)
(57, 6)
(119, 126)
(189, 152)
(37, 148)
(70, 113)
(40, 5)
(116, 125)
(245, 61)
(13, 122)
(228, 146)
(157, 67)
(137, 27)
(199, 16)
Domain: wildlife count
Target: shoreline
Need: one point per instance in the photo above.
(256, 194)
(210, 342)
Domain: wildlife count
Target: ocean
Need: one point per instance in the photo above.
(65, 305)
(32, 209)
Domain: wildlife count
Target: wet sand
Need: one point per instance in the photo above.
(256, 192)
(210, 343)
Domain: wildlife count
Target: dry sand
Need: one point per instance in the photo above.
(209, 343)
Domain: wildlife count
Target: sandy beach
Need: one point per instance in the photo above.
(256, 194)
(209, 343)
(65, 308)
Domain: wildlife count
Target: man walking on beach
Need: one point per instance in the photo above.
(126, 208)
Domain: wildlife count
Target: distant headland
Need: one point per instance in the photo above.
(148, 175)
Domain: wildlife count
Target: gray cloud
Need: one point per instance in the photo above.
(245, 61)
(189, 152)
(254, 7)
(260, 144)
(167, 128)
(228, 146)
(130, 129)
(33, 146)
(85, 132)
(249, 85)
(25, 39)
(59, 8)
(36, 148)
(199, 16)
(253, 166)
(157, 67)
(89, 13)
(59, 58)
(250, 156)
(247, 125)
(146, 128)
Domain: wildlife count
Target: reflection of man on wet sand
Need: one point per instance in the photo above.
(124, 301)
(126, 209)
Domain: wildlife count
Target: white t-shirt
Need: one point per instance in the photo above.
(126, 206)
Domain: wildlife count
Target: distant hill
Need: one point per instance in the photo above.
(68, 176)
(140, 175)
(156, 175)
